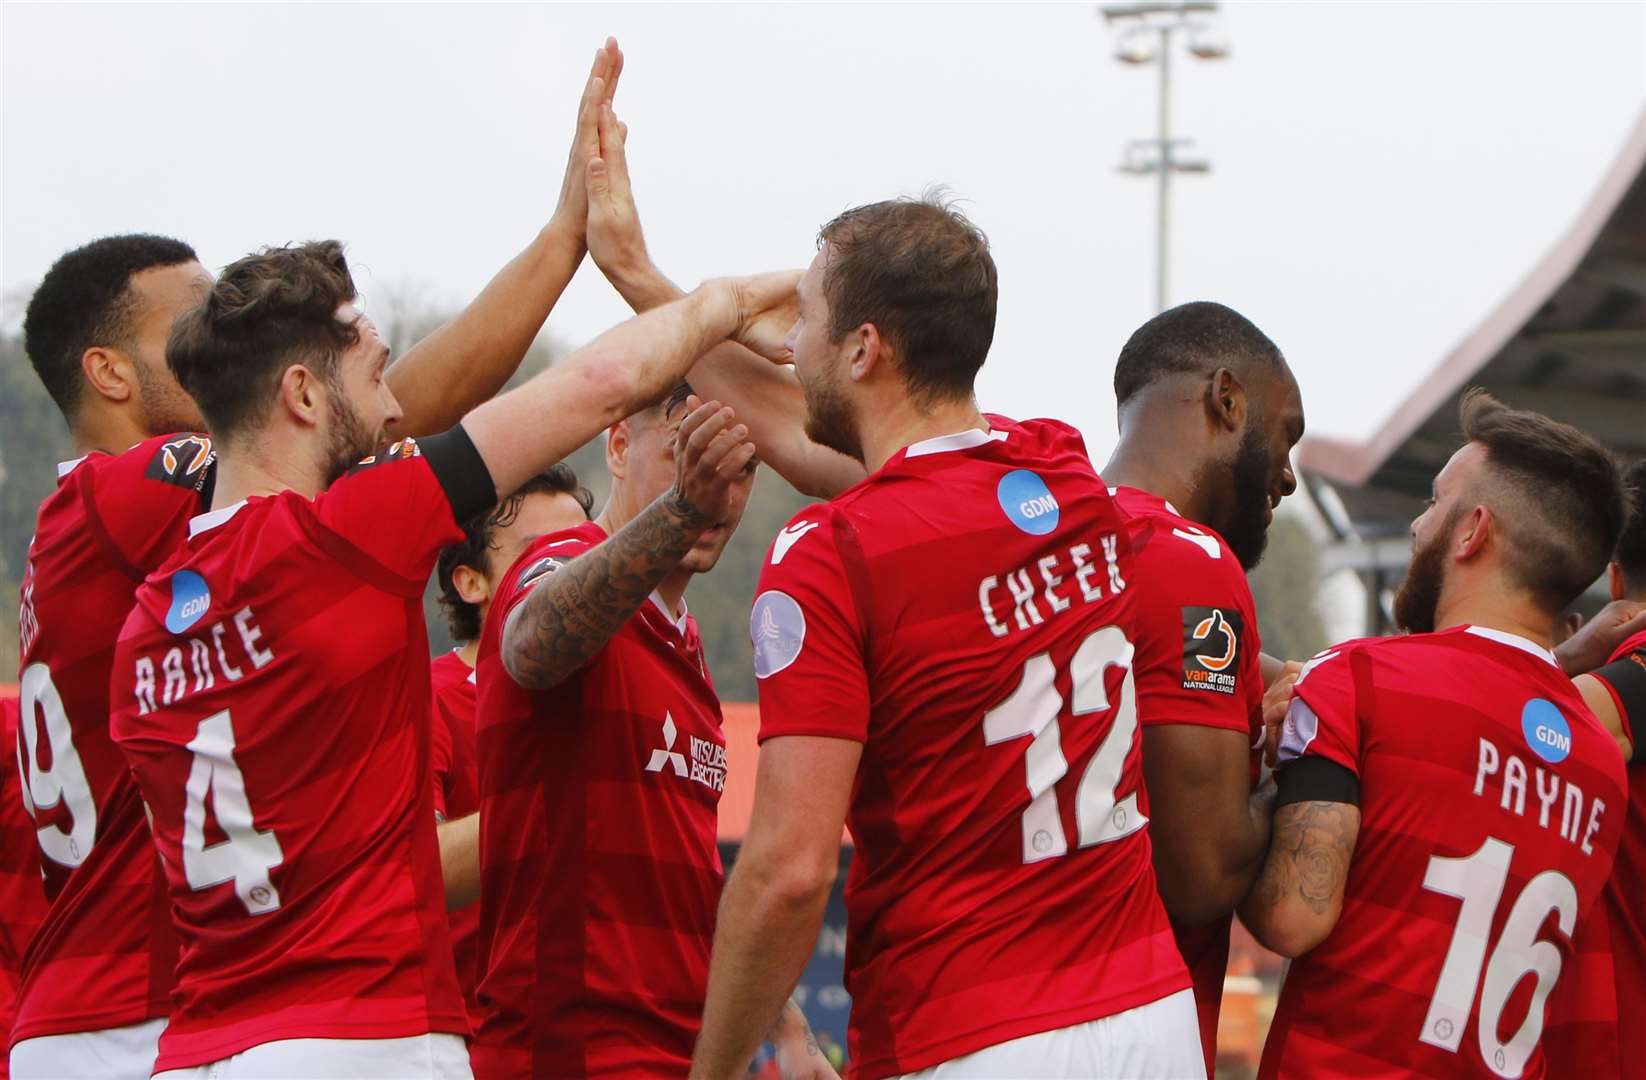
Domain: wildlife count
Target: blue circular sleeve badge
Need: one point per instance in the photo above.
(1546, 731)
(1027, 502)
(777, 627)
(189, 600)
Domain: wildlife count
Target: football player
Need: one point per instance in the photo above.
(945, 660)
(1458, 772)
(468, 574)
(22, 900)
(1209, 413)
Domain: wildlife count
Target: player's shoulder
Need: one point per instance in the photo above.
(1045, 430)
(1175, 551)
(550, 552)
(1634, 644)
(446, 671)
(406, 449)
(812, 534)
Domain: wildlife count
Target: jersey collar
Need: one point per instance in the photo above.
(663, 609)
(959, 440)
(66, 467)
(210, 520)
(1514, 641)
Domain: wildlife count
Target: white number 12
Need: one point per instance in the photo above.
(1033, 708)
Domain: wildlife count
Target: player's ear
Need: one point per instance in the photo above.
(1476, 528)
(618, 438)
(869, 353)
(301, 394)
(1614, 581)
(471, 585)
(1226, 401)
(109, 373)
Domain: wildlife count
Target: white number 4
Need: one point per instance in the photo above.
(1478, 881)
(1033, 708)
(247, 855)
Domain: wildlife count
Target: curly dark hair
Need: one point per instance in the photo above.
(85, 300)
(462, 617)
(266, 312)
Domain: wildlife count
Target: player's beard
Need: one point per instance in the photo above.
(830, 420)
(347, 438)
(165, 406)
(1247, 533)
(1418, 597)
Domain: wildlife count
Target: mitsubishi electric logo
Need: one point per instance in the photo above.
(708, 765)
(668, 755)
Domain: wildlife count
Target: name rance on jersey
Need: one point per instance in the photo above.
(1511, 780)
(1055, 581)
(202, 657)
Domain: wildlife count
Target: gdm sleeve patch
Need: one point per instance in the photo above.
(1211, 649)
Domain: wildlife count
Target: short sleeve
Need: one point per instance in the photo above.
(440, 758)
(392, 508)
(1323, 720)
(807, 634)
(1198, 648)
(139, 503)
(541, 558)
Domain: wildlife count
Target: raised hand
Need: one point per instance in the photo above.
(766, 311)
(616, 242)
(1277, 701)
(711, 451)
(598, 91)
(1597, 639)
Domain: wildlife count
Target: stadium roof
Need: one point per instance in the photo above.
(1569, 341)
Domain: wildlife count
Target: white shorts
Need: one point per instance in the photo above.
(436, 1056)
(123, 1053)
(1157, 1041)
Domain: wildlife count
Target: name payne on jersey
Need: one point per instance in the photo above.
(204, 656)
(1511, 793)
(1062, 577)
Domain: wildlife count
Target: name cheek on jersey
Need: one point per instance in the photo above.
(225, 649)
(1049, 586)
(1509, 776)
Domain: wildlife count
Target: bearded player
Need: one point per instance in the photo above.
(1592, 1029)
(945, 661)
(468, 574)
(1459, 773)
(1209, 412)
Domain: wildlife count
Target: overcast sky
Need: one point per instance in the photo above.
(1383, 173)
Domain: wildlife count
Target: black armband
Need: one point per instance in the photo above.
(461, 471)
(1315, 779)
(1627, 678)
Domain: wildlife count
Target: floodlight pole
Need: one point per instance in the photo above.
(1161, 19)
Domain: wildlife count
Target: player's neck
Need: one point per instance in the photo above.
(243, 473)
(672, 591)
(906, 423)
(1488, 604)
(470, 652)
(1136, 463)
(110, 430)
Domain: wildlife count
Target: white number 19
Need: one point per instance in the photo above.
(1033, 708)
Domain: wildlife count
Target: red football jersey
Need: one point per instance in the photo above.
(966, 614)
(456, 795)
(600, 803)
(1491, 803)
(22, 899)
(271, 692)
(1595, 1029)
(1197, 663)
(104, 955)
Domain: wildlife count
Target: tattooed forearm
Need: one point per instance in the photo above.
(1298, 893)
(573, 612)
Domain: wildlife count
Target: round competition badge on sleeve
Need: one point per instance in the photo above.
(1546, 731)
(777, 628)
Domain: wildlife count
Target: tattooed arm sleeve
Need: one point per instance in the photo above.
(571, 614)
(1298, 894)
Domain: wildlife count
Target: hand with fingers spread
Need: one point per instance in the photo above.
(711, 452)
(573, 205)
